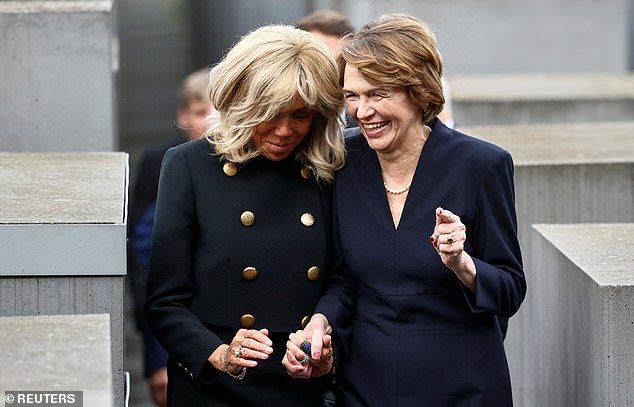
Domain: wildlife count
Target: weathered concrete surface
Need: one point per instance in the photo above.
(62, 239)
(68, 208)
(581, 338)
(562, 144)
(57, 86)
(541, 98)
(563, 174)
(62, 188)
(62, 352)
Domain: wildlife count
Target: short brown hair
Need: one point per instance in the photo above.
(398, 50)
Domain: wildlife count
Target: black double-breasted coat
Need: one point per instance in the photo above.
(234, 246)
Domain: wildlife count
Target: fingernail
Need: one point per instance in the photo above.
(435, 244)
(316, 355)
(431, 239)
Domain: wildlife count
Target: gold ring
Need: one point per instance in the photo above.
(449, 239)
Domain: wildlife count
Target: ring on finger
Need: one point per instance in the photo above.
(305, 359)
(238, 351)
(305, 346)
(449, 239)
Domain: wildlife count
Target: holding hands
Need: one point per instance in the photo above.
(448, 239)
(309, 351)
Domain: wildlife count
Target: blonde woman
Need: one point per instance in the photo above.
(243, 216)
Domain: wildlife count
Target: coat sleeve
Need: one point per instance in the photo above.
(500, 280)
(170, 286)
(338, 303)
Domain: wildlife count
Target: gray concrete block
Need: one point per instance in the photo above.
(69, 208)
(57, 353)
(486, 36)
(62, 239)
(541, 98)
(581, 335)
(57, 82)
(563, 174)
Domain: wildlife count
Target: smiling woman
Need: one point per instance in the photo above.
(243, 216)
(417, 322)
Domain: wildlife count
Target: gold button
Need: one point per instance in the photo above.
(230, 169)
(247, 218)
(247, 321)
(305, 172)
(305, 321)
(249, 273)
(308, 220)
(314, 273)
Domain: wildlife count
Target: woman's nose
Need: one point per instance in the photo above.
(364, 109)
(283, 127)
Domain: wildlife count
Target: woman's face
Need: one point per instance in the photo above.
(386, 115)
(277, 138)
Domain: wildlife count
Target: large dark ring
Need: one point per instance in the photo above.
(305, 346)
(449, 239)
(305, 360)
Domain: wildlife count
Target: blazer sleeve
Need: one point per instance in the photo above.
(338, 303)
(500, 280)
(170, 286)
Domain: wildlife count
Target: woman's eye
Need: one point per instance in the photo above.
(302, 115)
(351, 96)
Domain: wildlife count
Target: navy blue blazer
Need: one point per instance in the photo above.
(415, 335)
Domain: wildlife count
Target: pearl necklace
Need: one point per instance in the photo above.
(396, 191)
(426, 131)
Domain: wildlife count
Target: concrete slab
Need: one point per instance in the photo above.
(563, 174)
(58, 81)
(62, 239)
(541, 98)
(57, 353)
(582, 331)
(69, 208)
(562, 144)
(62, 188)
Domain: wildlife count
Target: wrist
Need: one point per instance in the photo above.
(239, 375)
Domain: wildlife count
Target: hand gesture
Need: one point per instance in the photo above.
(448, 239)
(309, 352)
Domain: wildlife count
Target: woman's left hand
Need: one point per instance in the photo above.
(448, 240)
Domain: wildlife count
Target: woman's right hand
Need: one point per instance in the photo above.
(246, 348)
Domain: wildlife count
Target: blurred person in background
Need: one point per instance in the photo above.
(329, 26)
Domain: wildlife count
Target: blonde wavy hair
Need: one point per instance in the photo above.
(259, 78)
(398, 50)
